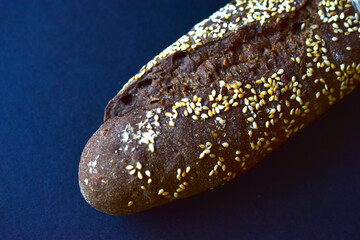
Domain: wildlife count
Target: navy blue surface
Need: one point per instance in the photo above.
(62, 61)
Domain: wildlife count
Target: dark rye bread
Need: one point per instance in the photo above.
(219, 100)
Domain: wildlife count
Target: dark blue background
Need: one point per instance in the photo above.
(62, 61)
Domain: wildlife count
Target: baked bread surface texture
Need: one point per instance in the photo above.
(219, 100)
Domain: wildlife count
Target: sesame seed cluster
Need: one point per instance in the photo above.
(225, 128)
(334, 13)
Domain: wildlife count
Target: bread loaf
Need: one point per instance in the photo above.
(219, 100)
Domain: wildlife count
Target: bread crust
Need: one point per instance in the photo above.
(220, 99)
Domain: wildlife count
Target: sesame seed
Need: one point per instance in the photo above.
(250, 119)
(204, 116)
(213, 92)
(138, 165)
(244, 110)
(206, 151)
(130, 203)
(225, 144)
(152, 147)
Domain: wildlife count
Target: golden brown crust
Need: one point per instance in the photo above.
(201, 116)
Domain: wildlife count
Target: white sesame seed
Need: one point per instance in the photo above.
(195, 117)
(152, 147)
(204, 116)
(213, 92)
(250, 119)
(138, 165)
(207, 151)
(248, 86)
(244, 110)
